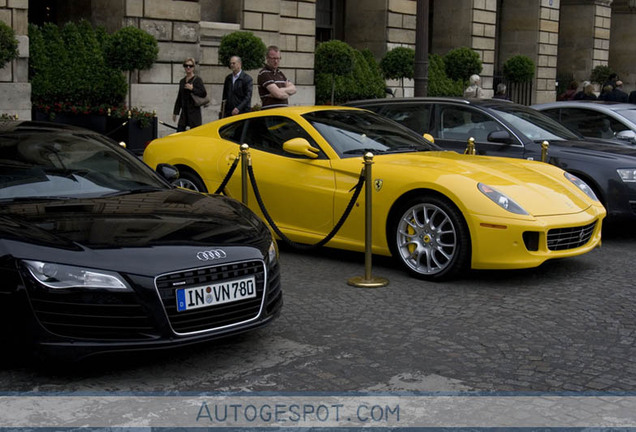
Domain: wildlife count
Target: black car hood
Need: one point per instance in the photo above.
(146, 233)
(591, 147)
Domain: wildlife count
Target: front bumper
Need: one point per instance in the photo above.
(516, 243)
(73, 325)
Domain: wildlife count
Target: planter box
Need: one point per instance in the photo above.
(128, 131)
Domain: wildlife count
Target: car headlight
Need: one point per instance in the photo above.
(628, 175)
(581, 185)
(63, 276)
(272, 253)
(501, 200)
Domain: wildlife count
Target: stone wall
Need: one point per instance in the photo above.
(14, 83)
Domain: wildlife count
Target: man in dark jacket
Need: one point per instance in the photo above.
(237, 90)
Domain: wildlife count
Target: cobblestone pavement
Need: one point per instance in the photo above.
(567, 326)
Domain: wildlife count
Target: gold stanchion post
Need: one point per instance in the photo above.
(245, 159)
(368, 281)
(470, 149)
(544, 151)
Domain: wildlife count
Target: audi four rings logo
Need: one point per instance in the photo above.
(210, 255)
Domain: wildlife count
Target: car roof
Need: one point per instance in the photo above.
(431, 99)
(589, 104)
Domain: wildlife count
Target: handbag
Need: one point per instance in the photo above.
(201, 101)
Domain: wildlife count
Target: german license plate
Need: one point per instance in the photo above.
(215, 294)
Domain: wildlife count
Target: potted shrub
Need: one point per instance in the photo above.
(518, 69)
(244, 44)
(334, 58)
(399, 63)
(365, 81)
(460, 63)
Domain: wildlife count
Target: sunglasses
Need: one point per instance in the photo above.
(188, 66)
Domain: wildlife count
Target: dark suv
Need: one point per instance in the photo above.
(502, 128)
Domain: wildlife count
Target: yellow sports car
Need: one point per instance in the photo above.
(438, 212)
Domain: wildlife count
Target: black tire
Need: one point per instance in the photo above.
(429, 237)
(190, 180)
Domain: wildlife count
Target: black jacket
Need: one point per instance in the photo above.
(238, 95)
(184, 105)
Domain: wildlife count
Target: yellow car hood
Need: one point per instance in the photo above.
(541, 189)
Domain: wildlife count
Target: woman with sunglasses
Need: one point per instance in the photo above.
(184, 107)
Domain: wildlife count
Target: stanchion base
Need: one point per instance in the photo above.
(373, 282)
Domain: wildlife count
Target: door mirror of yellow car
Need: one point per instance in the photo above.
(429, 137)
(300, 146)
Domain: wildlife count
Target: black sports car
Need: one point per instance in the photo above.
(502, 128)
(99, 253)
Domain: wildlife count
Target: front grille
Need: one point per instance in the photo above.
(569, 238)
(211, 317)
(95, 315)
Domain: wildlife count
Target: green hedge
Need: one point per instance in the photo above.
(439, 84)
(78, 68)
(8, 45)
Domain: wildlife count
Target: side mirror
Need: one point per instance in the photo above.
(429, 137)
(502, 137)
(300, 146)
(626, 135)
(168, 172)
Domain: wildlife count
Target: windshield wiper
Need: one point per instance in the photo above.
(134, 191)
(363, 151)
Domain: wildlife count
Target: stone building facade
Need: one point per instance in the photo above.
(561, 36)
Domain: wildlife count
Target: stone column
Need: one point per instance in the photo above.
(483, 23)
(584, 37)
(622, 49)
(14, 77)
(546, 60)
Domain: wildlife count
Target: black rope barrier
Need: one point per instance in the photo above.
(117, 128)
(336, 228)
(228, 176)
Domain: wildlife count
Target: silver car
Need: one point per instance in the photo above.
(613, 121)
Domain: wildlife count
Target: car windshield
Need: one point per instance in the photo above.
(629, 114)
(534, 125)
(353, 133)
(60, 165)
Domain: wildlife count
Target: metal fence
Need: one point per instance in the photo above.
(520, 93)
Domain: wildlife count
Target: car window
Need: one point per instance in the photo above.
(533, 124)
(413, 116)
(591, 123)
(271, 132)
(233, 132)
(461, 123)
(266, 133)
